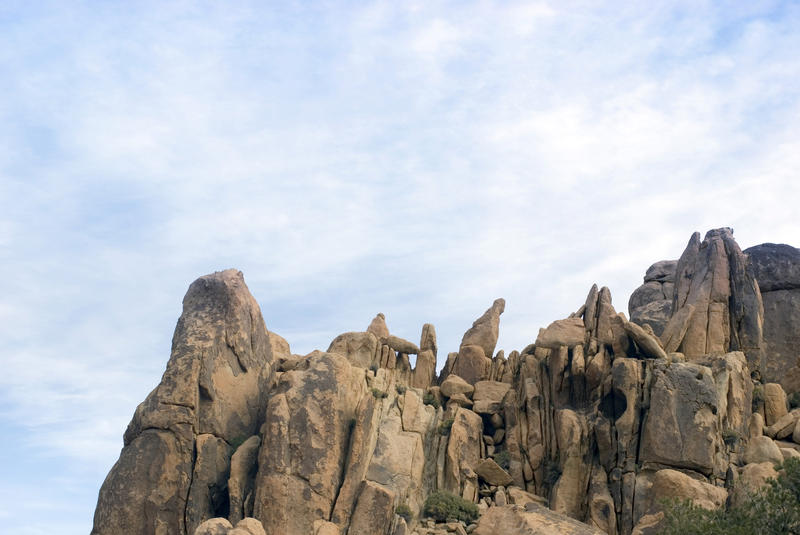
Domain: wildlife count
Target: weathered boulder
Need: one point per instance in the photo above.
(374, 510)
(761, 450)
(532, 519)
(471, 364)
(651, 303)
(490, 471)
(424, 372)
(305, 443)
(401, 345)
(488, 396)
(378, 326)
(360, 348)
(427, 340)
(248, 526)
(567, 332)
(242, 478)
(215, 383)
(486, 329)
(751, 478)
(715, 278)
(774, 403)
(463, 452)
(777, 269)
(214, 526)
(681, 427)
(209, 490)
(453, 385)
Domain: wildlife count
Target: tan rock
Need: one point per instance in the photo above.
(424, 372)
(459, 400)
(669, 484)
(517, 496)
(681, 427)
(488, 396)
(249, 526)
(307, 431)
(471, 364)
(374, 510)
(378, 326)
(215, 383)
(463, 451)
(790, 453)
(567, 332)
(427, 340)
(454, 384)
(242, 477)
(214, 526)
(601, 512)
(532, 519)
(774, 403)
(401, 345)
(323, 527)
(490, 472)
(568, 492)
(783, 427)
(796, 433)
(359, 348)
(751, 478)
(209, 480)
(648, 345)
(762, 449)
(756, 427)
(485, 330)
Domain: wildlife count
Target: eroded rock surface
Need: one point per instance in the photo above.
(585, 430)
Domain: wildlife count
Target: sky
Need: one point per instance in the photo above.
(418, 159)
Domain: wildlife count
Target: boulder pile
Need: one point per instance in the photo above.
(585, 430)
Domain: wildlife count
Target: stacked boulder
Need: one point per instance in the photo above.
(586, 430)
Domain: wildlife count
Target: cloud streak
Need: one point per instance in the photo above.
(416, 158)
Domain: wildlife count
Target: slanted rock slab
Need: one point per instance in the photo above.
(492, 473)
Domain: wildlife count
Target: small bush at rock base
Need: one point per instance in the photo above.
(445, 426)
(445, 507)
(378, 393)
(401, 389)
(772, 510)
(430, 399)
(404, 511)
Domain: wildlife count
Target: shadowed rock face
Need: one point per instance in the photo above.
(777, 269)
(598, 419)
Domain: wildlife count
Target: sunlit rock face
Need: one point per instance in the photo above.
(583, 431)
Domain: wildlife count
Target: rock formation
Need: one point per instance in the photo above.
(583, 431)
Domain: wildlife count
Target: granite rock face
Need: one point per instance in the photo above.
(777, 269)
(585, 430)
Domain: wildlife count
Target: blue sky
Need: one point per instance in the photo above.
(414, 158)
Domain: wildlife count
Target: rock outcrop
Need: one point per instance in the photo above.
(777, 270)
(585, 430)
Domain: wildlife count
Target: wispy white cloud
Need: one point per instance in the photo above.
(417, 158)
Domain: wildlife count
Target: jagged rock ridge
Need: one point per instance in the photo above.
(598, 419)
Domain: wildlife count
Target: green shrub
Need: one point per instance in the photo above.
(430, 399)
(404, 511)
(794, 400)
(238, 441)
(774, 509)
(758, 396)
(446, 507)
(445, 426)
(379, 394)
(401, 389)
(730, 437)
(503, 459)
